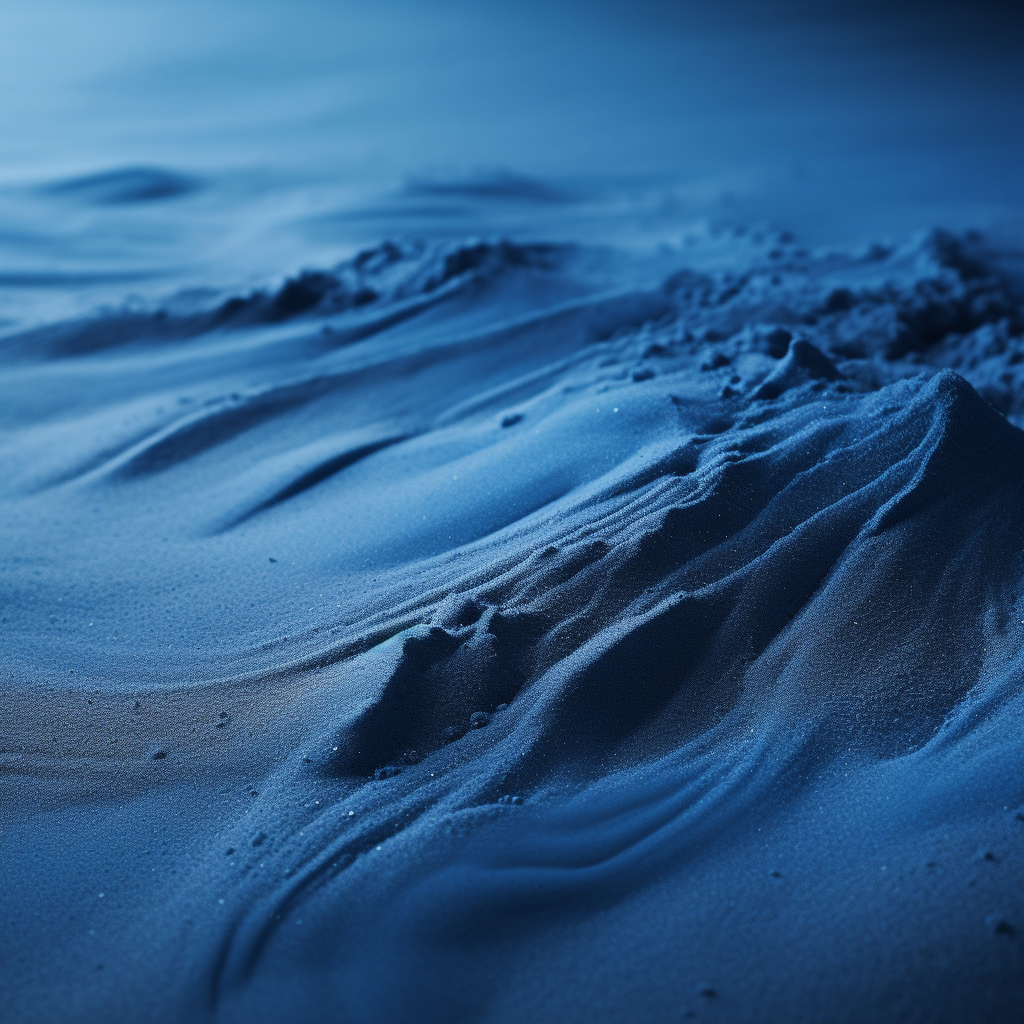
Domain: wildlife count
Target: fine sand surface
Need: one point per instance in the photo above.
(564, 607)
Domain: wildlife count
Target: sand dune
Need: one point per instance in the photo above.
(511, 512)
(508, 620)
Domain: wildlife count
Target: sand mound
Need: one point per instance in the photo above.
(489, 609)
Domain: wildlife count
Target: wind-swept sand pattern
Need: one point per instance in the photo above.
(458, 631)
(462, 558)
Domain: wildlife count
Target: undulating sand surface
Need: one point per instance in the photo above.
(434, 591)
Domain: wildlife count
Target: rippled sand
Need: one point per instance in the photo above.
(564, 606)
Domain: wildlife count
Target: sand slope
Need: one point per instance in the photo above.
(493, 631)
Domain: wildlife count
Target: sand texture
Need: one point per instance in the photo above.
(511, 513)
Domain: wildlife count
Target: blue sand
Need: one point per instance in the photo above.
(511, 513)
